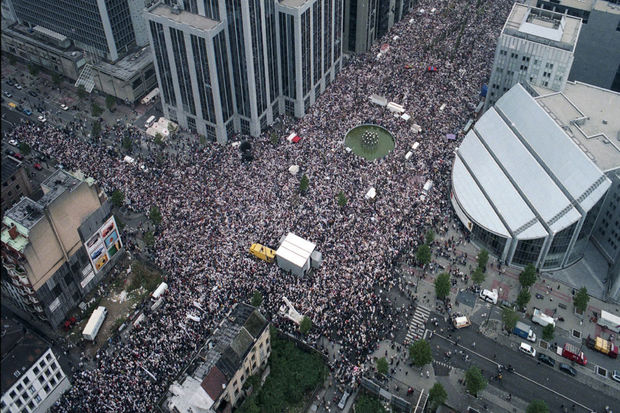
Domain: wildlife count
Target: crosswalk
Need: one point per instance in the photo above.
(417, 326)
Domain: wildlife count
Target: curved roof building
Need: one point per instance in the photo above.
(523, 187)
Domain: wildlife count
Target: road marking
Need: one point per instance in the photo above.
(516, 373)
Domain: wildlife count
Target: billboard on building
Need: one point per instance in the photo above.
(104, 244)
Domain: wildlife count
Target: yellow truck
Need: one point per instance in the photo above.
(12, 105)
(263, 253)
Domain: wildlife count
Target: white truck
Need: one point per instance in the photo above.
(159, 291)
(541, 318)
(94, 323)
(610, 321)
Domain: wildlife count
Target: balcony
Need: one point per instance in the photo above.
(15, 281)
(33, 299)
(24, 280)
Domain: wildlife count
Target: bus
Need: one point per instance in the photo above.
(149, 122)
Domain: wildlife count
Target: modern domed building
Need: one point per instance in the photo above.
(532, 178)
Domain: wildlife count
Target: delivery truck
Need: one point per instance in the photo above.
(524, 331)
(602, 346)
(461, 322)
(541, 318)
(610, 321)
(94, 323)
(262, 252)
(571, 352)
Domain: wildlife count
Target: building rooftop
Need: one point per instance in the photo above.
(293, 3)
(20, 350)
(512, 177)
(57, 184)
(543, 26)
(183, 17)
(589, 115)
(21, 32)
(127, 67)
(10, 165)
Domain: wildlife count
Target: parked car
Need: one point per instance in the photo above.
(527, 349)
(37, 166)
(7, 94)
(32, 93)
(546, 359)
(18, 86)
(10, 82)
(13, 142)
(64, 107)
(10, 152)
(568, 369)
(616, 375)
(27, 112)
(18, 156)
(42, 119)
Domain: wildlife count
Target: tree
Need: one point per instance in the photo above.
(429, 237)
(368, 404)
(155, 215)
(382, 365)
(56, 78)
(527, 277)
(81, 91)
(305, 325)
(581, 300)
(478, 276)
(24, 148)
(159, 139)
(523, 298)
(33, 69)
(423, 255)
(171, 127)
(420, 353)
(537, 406)
(117, 198)
(149, 239)
(510, 318)
(304, 183)
(342, 200)
(96, 129)
(127, 143)
(474, 381)
(483, 258)
(548, 331)
(437, 396)
(95, 110)
(442, 285)
(257, 299)
(110, 101)
(274, 139)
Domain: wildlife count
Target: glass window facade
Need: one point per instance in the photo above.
(223, 75)
(122, 27)
(287, 55)
(272, 50)
(559, 246)
(337, 29)
(327, 35)
(237, 52)
(182, 66)
(306, 53)
(316, 42)
(258, 55)
(491, 242)
(352, 24)
(201, 64)
(163, 65)
(527, 251)
(212, 9)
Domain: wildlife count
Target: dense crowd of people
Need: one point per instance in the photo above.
(214, 207)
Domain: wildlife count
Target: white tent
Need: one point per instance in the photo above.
(405, 116)
(415, 145)
(395, 107)
(371, 193)
(408, 155)
(293, 170)
(378, 100)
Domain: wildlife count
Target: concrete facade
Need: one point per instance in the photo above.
(15, 182)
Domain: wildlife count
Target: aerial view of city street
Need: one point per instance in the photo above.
(365, 206)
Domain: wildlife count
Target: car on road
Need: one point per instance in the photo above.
(18, 86)
(18, 156)
(13, 142)
(37, 166)
(10, 152)
(567, 369)
(42, 119)
(64, 107)
(616, 375)
(10, 82)
(527, 349)
(343, 400)
(32, 93)
(546, 359)
(27, 112)
(7, 94)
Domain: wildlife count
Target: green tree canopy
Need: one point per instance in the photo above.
(442, 285)
(510, 318)
(117, 198)
(483, 258)
(95, 110)
(437, 396)
(366, 403)
(478, 276)
(527, 277)
(382, 365)
(155, 215)
(304, 183)
(420, 353)
(548, 331)
(537, 406)
(257, 299)
(523, 298)
(110, 101)
(96, 129)
(580, 300)
(474, 381)
(159, 139)
(127, 143)
(33, 69)
(56, 78)
(24, 148)
(305, 325)
(423, 255)
(149, 239)
(429, 237)
(81, 92)
(342, 199)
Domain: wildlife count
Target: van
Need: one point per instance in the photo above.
(527, 349)
(149, 122)
(343, 400)
(490, 296)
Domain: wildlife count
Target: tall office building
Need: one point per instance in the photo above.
(365, 21)
(227, 66)
(597, 56)
(536, 46)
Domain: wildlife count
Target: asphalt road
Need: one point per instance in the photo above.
(528, 381)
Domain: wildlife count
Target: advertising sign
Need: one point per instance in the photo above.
(104, 244)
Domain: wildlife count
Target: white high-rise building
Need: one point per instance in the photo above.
(536, 46)
(227, 66)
